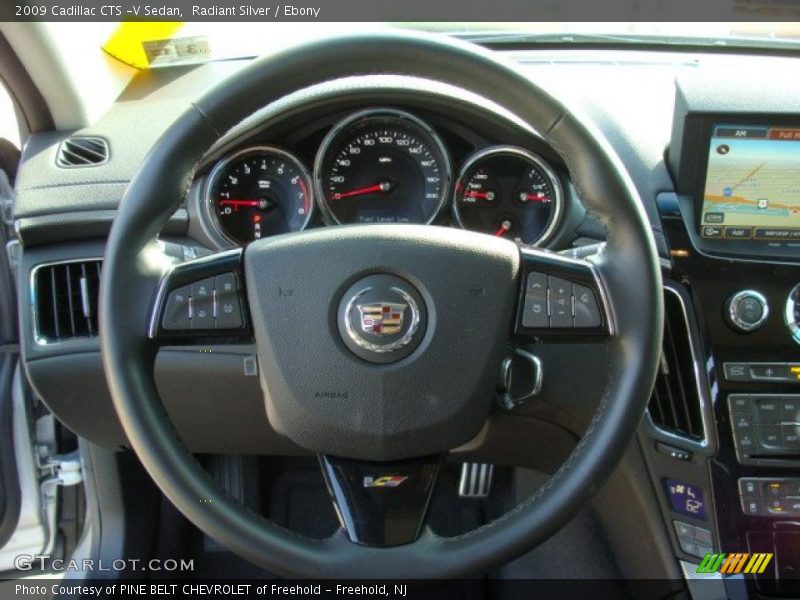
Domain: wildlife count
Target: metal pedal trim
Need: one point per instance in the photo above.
(476, 480)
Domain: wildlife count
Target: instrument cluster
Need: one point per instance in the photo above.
(382, 165)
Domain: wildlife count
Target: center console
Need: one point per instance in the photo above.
(733, 230)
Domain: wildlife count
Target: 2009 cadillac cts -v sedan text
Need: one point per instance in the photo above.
(397, 304)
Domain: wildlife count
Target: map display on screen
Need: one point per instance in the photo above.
(752, 189)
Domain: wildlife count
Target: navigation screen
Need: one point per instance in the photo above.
(752, 189)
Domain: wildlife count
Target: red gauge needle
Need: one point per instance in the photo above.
(485, 195)
(238, 202)
(381, 187)
(534, 197)
(504, 226)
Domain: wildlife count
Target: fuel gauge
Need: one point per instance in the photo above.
(508, 192)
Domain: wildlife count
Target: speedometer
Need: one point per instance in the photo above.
(382, 166)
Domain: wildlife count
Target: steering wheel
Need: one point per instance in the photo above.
(381, 407)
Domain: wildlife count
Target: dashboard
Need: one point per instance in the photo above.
(397, 151)
(380, 165)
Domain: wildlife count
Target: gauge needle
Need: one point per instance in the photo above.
(238, 202)
(485, 195)
(384, 186)
(504, 226)
(534, 197)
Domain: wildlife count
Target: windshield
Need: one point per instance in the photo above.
(203, 41)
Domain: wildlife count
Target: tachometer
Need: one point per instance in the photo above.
(510, 192)
(382, 166)
(258, 192)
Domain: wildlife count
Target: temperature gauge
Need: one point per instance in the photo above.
(508, 192)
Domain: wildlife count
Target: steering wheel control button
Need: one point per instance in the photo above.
(382, 318)
(534, 313)
(746, 311)
(520, 380)
(203, 304)
(587, 310)
(228, 309)
(177, 314)
(560, 302)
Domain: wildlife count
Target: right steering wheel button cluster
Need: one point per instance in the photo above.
(557, 303)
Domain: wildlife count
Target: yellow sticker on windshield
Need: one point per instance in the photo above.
(142, 43)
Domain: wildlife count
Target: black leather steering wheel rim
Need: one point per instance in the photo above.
(629, 268)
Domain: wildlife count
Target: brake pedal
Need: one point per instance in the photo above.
(476, 480)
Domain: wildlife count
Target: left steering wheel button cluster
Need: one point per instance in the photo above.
(208, 304)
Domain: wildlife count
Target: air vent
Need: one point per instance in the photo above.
(675, 404)
(65, 300)
(82, 151)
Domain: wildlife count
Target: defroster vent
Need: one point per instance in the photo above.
(82, 151)
(675, 405)
(65, 300)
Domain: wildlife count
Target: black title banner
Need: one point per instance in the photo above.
(399, 10)
(244, 589)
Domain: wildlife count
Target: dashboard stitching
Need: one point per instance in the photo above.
(207, 119)
(75, 184)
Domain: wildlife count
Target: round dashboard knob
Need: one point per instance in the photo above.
(792, 313)
(746, 310)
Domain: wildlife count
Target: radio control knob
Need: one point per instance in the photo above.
(746, 310)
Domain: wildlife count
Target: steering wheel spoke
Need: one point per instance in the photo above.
(381, 504)
(561, 299)
(202, 299)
